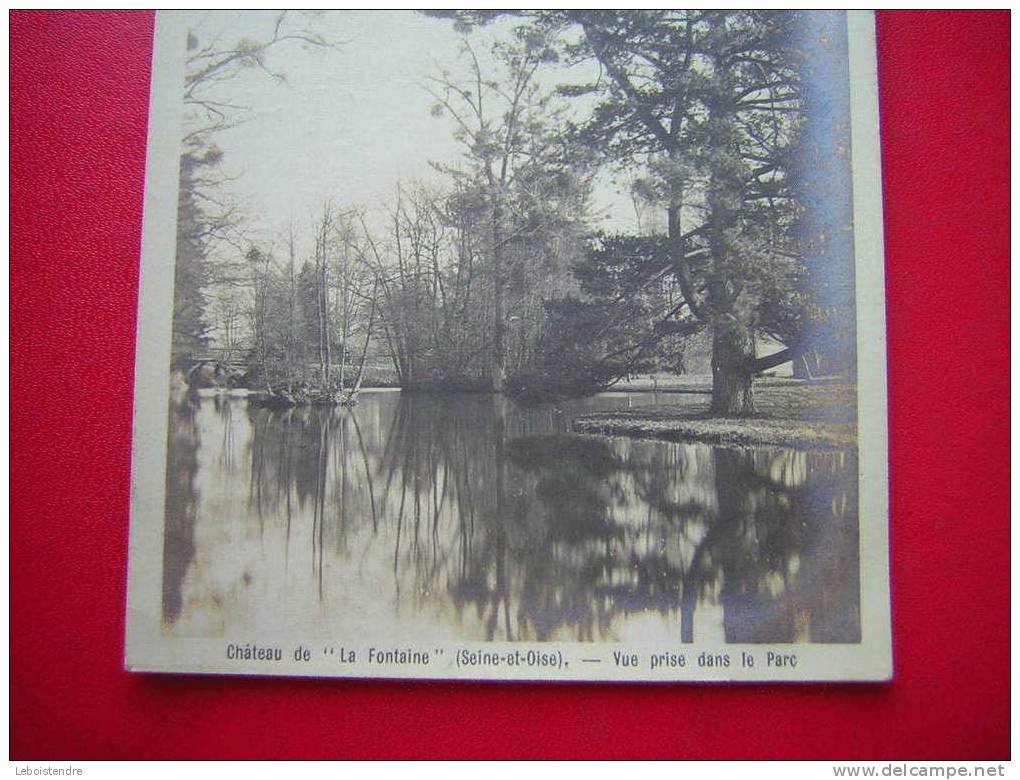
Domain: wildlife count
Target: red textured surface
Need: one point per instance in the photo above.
(79, 92)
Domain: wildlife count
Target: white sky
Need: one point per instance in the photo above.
(350, 122)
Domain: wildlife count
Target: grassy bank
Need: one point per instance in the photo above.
(789, 413)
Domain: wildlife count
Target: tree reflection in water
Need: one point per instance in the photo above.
(497, 523)
(182, 499)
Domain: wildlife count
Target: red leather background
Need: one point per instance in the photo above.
(79, 92)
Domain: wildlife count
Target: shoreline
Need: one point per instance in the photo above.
(790, 413)
(734, 432)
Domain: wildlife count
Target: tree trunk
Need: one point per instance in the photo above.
(291, 315)
(364, 350)
(344, 325)
(498, 376)
(732, 370)
(261, 295)
(326, 327)
(319, 312)
(498, 357)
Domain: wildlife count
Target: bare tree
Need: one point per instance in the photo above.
(501, 122)
(324, 240)
(208, 218)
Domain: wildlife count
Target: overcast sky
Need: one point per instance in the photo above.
(351, 121)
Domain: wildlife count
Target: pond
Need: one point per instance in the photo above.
(467, 517)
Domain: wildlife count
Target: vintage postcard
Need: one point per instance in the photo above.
(513, 345)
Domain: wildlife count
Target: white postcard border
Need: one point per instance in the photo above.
(149, 649)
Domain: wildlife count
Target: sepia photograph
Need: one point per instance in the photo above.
(512, 345)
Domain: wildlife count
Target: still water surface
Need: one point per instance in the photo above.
(418, 517)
